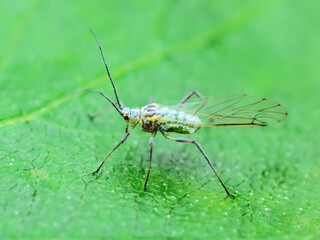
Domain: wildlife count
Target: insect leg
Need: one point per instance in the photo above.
(151, 145)
(186, 98)
(152, 99)
(191, 141)
(121, 142)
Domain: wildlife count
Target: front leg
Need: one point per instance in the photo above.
(186, 98)
(120, 143)
(191, 141)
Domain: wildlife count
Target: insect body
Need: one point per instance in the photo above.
(151, 119)
(190, 114)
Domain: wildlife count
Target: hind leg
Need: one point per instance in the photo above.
(191, 141)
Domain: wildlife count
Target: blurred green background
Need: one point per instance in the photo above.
(49, 147)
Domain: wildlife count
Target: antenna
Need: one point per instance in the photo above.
(114, 88)
(113, 104)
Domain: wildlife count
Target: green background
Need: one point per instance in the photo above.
(49, 147)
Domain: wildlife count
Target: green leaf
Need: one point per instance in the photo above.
(49, 147)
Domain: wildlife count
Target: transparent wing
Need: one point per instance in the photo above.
(233, 110)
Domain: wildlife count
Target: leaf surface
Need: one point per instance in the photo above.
(49, 146)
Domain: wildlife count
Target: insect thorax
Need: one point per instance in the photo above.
(148, 118)
(154, 118)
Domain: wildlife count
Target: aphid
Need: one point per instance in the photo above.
(190, 114)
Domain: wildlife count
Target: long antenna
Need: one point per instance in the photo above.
(94, 91)
(114, 88)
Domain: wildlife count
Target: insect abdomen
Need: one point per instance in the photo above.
(170, 120)
(181, 122)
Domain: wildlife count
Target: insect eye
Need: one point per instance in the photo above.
(126, 117)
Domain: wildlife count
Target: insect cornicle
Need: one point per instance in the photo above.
(189, 116)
